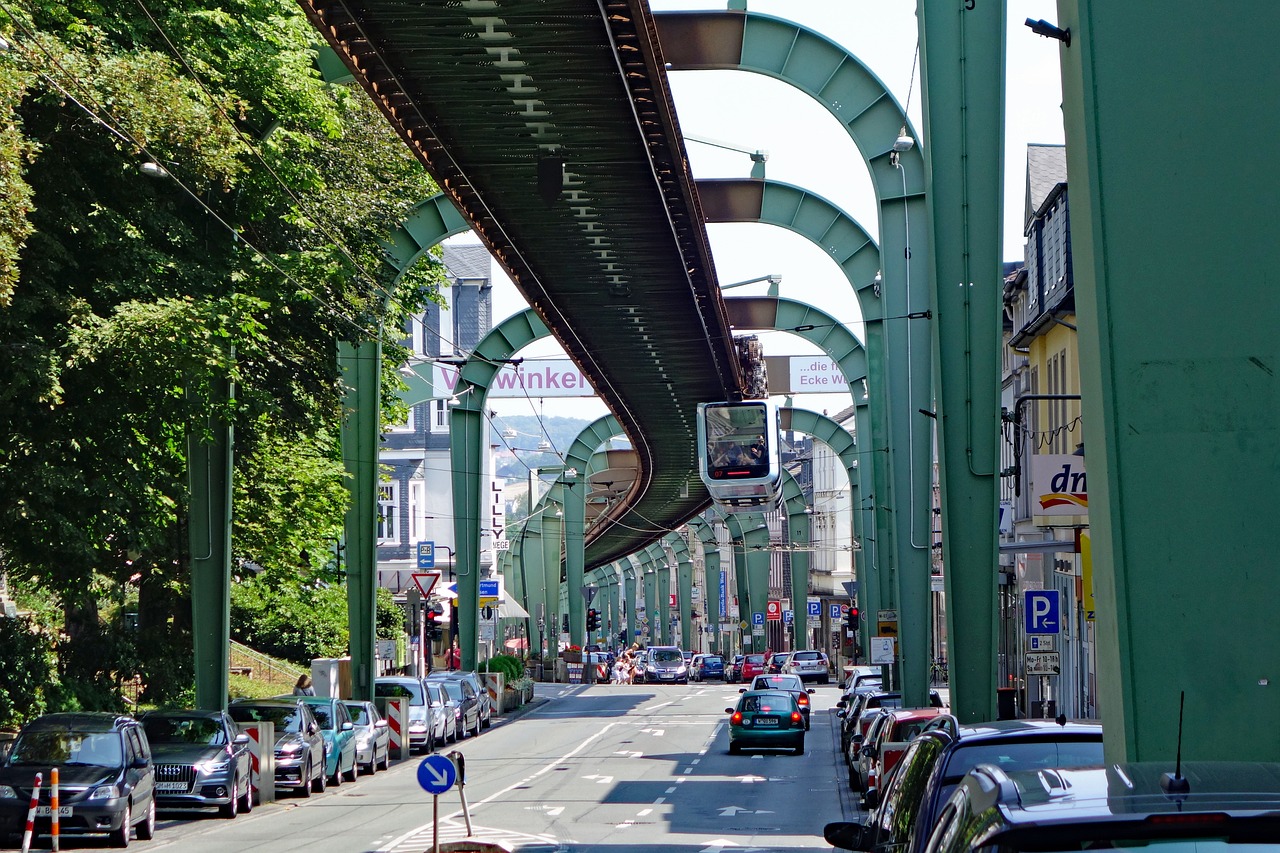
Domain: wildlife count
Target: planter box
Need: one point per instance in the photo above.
(573, 657)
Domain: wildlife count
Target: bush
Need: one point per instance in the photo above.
(29, 675)
(509, 665)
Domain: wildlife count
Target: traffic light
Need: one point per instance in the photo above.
(855, 619)
(622, 637)
(434, 629)
(593, 619)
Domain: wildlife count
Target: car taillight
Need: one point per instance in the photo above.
(736, 718)
(802, 700)
(795, 717)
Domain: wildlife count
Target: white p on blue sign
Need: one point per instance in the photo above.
(1042, 611)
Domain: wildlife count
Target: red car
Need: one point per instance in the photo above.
(752, 665)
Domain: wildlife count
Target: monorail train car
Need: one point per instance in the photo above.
(739, 457)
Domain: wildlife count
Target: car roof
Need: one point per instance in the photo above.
(787, 693)
(1105, 796)
(183, 713)
(1017, 728)
(269, 703)
(79, 721)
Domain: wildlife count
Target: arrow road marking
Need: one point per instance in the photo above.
(629, 754)
(717, 845)
(553, 811)
(750, 779)
(731, 811)
(600, 780)
(654, 732)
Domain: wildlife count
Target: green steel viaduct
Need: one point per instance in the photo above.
(551, 131)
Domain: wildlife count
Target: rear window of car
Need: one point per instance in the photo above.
(755, 658)
(777, 682)
(1023, 754)
(798, 656)
(712, 660)
(771, 701)
(398, 690)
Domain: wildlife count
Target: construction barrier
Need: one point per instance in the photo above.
(262, 760)
(31, 815)
(602, 673)
(398, 726)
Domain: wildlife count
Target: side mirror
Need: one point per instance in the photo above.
(848, 836)
(812, 691)
(140, 763)
(856, 739)
(868, 752)
(728, 710)
(380, 724)
(840, 704)
(313, 728)
(871, 798)
(742, 690)
(348, 726)
(840, 713)
(240, 739)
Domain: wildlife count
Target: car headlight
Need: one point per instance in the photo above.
(679, 670)
(105, 792)
(290, 749)
(216, 765)
(653, 669)
(7, 793)
(364, 741)
(418, 726)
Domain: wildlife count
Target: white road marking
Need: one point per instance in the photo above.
(670, 790)
(600, 780)
(643, 812)
(659, 801)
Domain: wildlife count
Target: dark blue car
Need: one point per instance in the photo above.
(707, 666)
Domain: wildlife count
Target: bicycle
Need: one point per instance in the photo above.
(938, 672)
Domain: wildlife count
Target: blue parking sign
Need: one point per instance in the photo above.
(788, 617)
(1042, 612)
(834, 613)
(815, 609)
(757, 618)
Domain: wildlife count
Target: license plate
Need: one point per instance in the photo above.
(172, 786)
(767, 722)
(47, 811)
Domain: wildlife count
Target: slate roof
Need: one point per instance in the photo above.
(465, 261)
(1046, 169)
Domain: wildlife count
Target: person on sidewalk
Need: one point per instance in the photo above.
(303, 686)
(455, 656)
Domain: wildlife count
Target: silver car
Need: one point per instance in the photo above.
(373, 736)
(201, 759)
(444, 726)
(482, 694)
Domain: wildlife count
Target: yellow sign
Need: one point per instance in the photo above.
(1086, 574)
(887, 629)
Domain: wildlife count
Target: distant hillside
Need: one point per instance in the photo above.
(515, 456)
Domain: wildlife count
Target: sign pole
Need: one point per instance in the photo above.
(435, 823)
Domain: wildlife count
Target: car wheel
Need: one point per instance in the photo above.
(734, 749)
(336, 779)
(488, 721)
(386, 758)
(246, 799)
(147, 829)
(478, 727)
(354, 772)
(304, 790)
(120, 838)
(800, 747)
(232, 805)
(320, 782)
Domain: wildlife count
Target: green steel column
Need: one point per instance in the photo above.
(552, 538)
(738, 543)
(962, 70)
(468, 437)
(1169, 145)
(575, 514)
(798, 515)
(755, 540)
(711, 579)
(629, 621)
(530, 592)
(612, 619)
(361, 430)
(664, 598)
(210, 457)
(862, 502)
(651, 613)
(684, 595)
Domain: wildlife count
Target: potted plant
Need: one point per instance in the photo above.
(573, 654)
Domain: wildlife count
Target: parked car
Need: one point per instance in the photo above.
(790, 683)
(482, 692)
(465, 703)
(768, 719)
(299, 747)
(856, 674)
(1129, 806)
(936, 761)
(441, 716)
(107, 776)
(752, 665)
(372, 735)
(774, 662)
(875, 757)
(339, 735)
(809, 664)
(421, 736)
(202, 761)
(663, 665)
(855, 718)
(733, 669)
(706, 666)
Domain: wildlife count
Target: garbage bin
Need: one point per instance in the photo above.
(1006, 703)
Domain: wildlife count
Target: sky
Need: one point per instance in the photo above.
(807, 147)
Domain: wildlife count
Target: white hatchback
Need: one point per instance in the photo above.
(810, 665)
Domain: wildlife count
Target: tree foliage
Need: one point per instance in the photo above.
(125, 299)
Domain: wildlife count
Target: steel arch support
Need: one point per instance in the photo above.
(711, 576)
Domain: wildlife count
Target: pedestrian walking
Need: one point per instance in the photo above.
(303, 686)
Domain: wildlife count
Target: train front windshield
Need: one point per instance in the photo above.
(737, 438)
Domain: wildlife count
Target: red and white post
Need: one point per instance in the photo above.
(54, 821)
(31, 815)
(398, 726)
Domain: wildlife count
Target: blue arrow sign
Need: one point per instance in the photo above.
(436, 774)
(757, 618)
(426, 555)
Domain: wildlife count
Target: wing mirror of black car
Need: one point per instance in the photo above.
(868, 752)
(140, 763)
(240, 739)
(380, 724)
(846, 835)
(742, 690)
(840, 713)
(812, 691)
(840, 704)
(871, 798)
(348, 726)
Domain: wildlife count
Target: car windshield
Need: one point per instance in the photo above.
(1022, 754)
(667, 656)
(67, 747)
(359, 713)
(398, 690)
(200, 731)
(285, 719)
